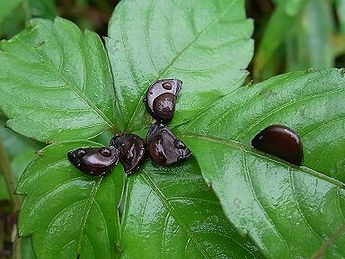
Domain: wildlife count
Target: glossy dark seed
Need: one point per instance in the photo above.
(132, 151)
(164, 105)
(164, 148)
(94, 161)
(161, 99)
(280, 141)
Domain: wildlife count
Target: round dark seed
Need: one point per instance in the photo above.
(132, 151)
(164, 148)
(280, 141)
(161, 98)
(164, 105)
(94, 161)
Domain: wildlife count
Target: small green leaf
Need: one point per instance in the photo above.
(60, 80)
(204, 43)
(67, 212)
(279, 26)
(308, 44)
(170, 213)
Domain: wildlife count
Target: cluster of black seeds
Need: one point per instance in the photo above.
(161, 144)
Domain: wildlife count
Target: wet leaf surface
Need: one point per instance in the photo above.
(255, 205)
(60, 79)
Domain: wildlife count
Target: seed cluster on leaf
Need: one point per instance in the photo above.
(162, 145)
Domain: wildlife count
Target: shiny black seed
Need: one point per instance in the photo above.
(280, 141)
(94, 161)
(161, 99)
(164, 105)
(164, 148)
(132, 151)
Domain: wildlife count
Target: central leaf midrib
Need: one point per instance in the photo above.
(140, 104)
(86, 213)
(69, 83)
(147, 178)
(248, 149)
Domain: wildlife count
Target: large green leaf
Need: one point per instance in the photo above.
(170, 213)
(311, 102)
(204, 43)
(66, 212)
(60, 80)
(167, 212)
(62, 228)
(271, 200)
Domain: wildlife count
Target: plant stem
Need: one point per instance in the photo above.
(9, 178)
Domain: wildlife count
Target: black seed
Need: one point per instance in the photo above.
(161, 99)
(280, 141)
(164, 105)
(164, 148)
(94, 161)
(132, 151)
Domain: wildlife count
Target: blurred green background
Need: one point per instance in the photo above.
(289, 35)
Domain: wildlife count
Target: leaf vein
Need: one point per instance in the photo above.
(163, 72)
(171, 210)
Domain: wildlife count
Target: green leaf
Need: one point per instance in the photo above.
(16, 144)
(66, 212)
(6, 8)
(311, 102)
(204, 43)
(308, 44)
(275, 202)
(60, 80)
(43, 8)
(4, 194)
(340, 11)
(279, 26)
(170, 213)
(27, 252)
(167, 212)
